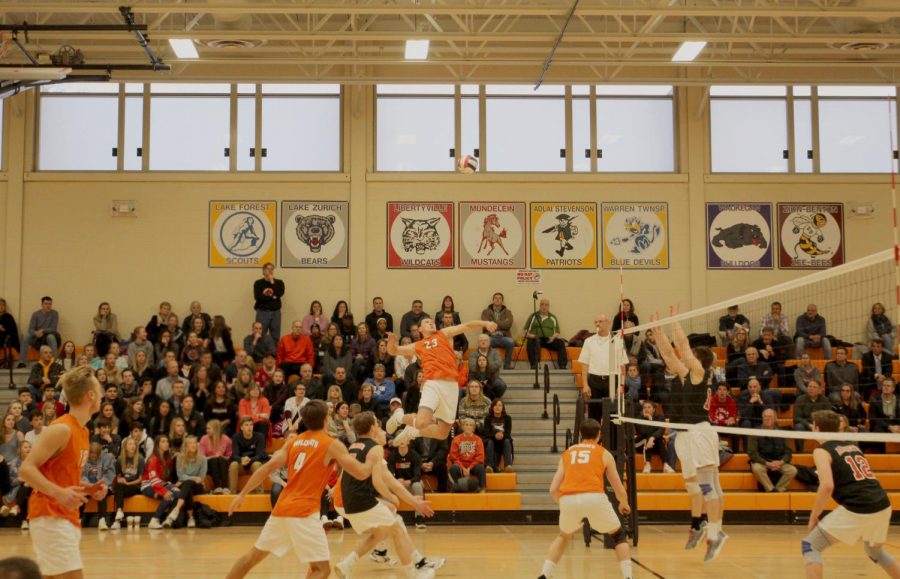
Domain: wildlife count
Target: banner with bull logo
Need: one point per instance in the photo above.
(241, 233)
(419, 235)
(491, 235)
(739, 236)
(811, 236)
(315, 233)
(564, 235)
(635, 235)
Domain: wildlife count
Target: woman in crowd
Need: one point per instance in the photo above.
(100, 467)
(177, 434)
(129, 471)
(22, 423)
(24, 491)
(158, 322)
(625, 314)
(401, 363)
(190, 467)
(101, 376)
(193, 347)
(134, 412)
(337, 355)
(9, 331)
(362, 349)
(337, 315)
(161, 424)
(67, 356)
(111, 368)
(177, 335)
(488, 375)
(497, 436)
(334, 395)
(649, 439)
(804, 372)
(314, 318)
(256, 407)
(448, 307)
(277, 393)
(10, 505)
(320, 346)
(381, 356)
(339, 426)
(880, 325)
(201, 387)
(49, 413)
(139, 343)
(220, 342)
(165, 344)
(201, 328)
(413, 394)
(383, 389)
(475, 405)
(242, 383)
(221, 406)
(107, 410)
(851, 406)
(142, 368)
(216, 447)
(381, 329)
(106, 329)
(155, 484)
(738, 345)
(366, 399)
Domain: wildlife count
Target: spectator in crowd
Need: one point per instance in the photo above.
(134, 412)
(201, 387)
(129, 471)
(220, 343)
(257, 408)
(884, 410)
(139, 343)
(434, 458)
(111, 367)
(483, 348)
(161, 422)
(109, 441)
(383, 389)
(164, 387)
(381, 330)
(773, 353)
(810, 401)
(496, 433)
(191, 468)
(366, 401)
(502, 337)
(635, 386)
(264, 373)
(10, 441)
(778, 322)
(650, 439)
(142, 368)
(222, 407)
(294, 405)
(194, 422)
(248, 452)
(22, 423)
(729, 322)
(880, 326)
(314, 388)
(340, 426)
(241, 383)
(46, 372)
(334, 395)
(405, 465)
(631, 341)
(165, 349)
(145, 444)
(723, 410)
(294, 350)
(381, 356)
(9, 331)
(11, 504)
(277, 392)
(216, 447)
(49, 412)
(447, 307)
(650, 360)
(155, 485)
(850, 405)
(258, 344)
(193, 347)
(177, 335)
(267, 294)
(106, 413)
(625, 314)
(412, 318)
(36, 420)
(315, 317)
(804, 372)
(100, 467)
(467, 456)
(158, 321)
(321, 341)
(488, 376)
(343, 380)
(347, 328)
(812, 332)
(542, 331)
(377, 313)
(840, 371)
(877, 366)
(177, 434)
(362, 349)
(752, 367)
(474, 405)
(401, 363)
(25, 397)
(341, 308)
(751, 405)
(337, 356)
(460, 341)
(770, 457)
(197, 313)
(106, 329)
(67, 357)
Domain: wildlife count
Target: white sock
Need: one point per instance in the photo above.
(351, 558)
(547, 571)
(625, 566)
(712, 531)
(410, 570)
(416, 556)
(382, 546)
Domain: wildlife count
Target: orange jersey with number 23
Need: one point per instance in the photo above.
(307, 475)
(436, 357)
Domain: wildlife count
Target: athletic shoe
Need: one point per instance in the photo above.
(431, 563)
(326, 524)
(714, 547)
(4, 511)
(191, 523)
(408, 434)
(394, 421)
(116, 526)
(170, 520)
(119, 515)
(647, 467)
(135, 521)
(102, 525)
(695, 536)
(489, 470)
(667, 468)
(343, 570)
(509, 468)
(14, 511)
(21, 365)
(382, 557)
(154, 524)
(24, 525)
(420, 524)
(338, 523)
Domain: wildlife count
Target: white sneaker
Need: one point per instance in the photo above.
(667, 468)
(116, 526)
(4, 511)
(338, 523)
(136, 521)
(154, 524)
(408, 434)
(344, 570)
(120, 515)
(646, 467)
(394, 421)
(102, 525)
(170, 520)
(191, 523)
(425, 573)
(382, 557)
(326, 522)
(24, 525)
(420, 524)
(435, 563)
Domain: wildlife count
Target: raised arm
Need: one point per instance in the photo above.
(451, 331)
(395, 349)
(684, 346)
(672, 362)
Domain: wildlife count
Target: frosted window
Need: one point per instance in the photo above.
(416, 89)
(854, 135)
(747, 90)
(189, 133)
(634, 90)
(189, 88)
(415, 134)
(748, 136)
(301, 134)
(297, 89)
(635, 135)
(81, 88)
(134, 132)
(581, 134)
(78, 133)
(470, 125)
(803, 141)
(526, 134)
(857, 91)
(246, 133)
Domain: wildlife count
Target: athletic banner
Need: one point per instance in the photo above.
(419, 235)
(491, 235)
(241, 233)
(811, 236)
(739, 236)
(315, 233)
(564, 235)
(635, 235)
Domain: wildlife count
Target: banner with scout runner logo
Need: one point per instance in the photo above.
(241, 233)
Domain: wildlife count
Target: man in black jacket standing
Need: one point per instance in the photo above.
(267, 293)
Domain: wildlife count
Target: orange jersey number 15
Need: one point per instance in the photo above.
(581, 457)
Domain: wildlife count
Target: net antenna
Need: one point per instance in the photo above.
(892, 125)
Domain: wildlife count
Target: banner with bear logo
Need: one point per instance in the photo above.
(564, 235)
(739, 236)
(419, 235)
(635, 235)
(811, 235)
(491, 235)
(315, 234)
(241, 233)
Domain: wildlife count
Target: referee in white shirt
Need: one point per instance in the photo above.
(596, 366)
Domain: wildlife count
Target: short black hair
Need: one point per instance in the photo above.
(589, 429)
(46, 298)
(24, 390)
(313, 414)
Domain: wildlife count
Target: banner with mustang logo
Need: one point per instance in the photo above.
(241, 233)
(419, 235)
(315, 233)
(491, 235)
(739, 236)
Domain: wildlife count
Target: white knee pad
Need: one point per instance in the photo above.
(708, 481)
(693, 488)
(878, 555)
(813, 544)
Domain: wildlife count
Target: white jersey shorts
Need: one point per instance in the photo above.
(442, 398)
(56, 544)
(849, 527)
(697, 449)
(302, 535)
(595, 506)
(378, 516)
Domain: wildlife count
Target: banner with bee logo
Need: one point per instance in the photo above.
(635, 235)
(564, 235)
(811, 236)
(241, 233)
(315, 233)
(419, 235)
(491, 235)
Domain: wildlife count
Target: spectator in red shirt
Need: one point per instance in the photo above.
(723, 410)
(467, 455)
(294, 350)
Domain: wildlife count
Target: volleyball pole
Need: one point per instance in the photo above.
(891, 127)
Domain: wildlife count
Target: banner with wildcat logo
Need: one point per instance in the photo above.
(491, 235)
(315, 233)
(241, 233)
(635, 235)
(811, 236)
(739, 236)
(564, 235)
(419, 235)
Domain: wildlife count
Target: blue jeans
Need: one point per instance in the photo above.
(501, 341)
(271, 322)
(492, 456)
(31, 341)
(826, 347)
(476, 471)
(164, 505)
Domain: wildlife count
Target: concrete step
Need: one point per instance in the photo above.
(541, 459)
(538, 500)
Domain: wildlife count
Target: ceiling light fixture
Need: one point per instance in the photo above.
(689, 50)
(184, 48)
(417, 49)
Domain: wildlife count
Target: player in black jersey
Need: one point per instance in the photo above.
(864, 510)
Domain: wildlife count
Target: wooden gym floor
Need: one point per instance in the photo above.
(492, 551)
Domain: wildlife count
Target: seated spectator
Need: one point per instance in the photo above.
(161, 422)
(376, 314)
(193, 347)
(222, 407)
(36, 420)
(106, 413)
(129, 472)
(248, 452)
(133, 412)
(383, 389)
(366, 402)
(483, 348)
(751, 405)
(884, 410)
(158, 321)
(497, 435)
(343, 380)
(67, 357)
(347, 328)
(434, 459)
(164, 387)
(334, 396)
(474, 405)
(100, 467)
(106, 329)
(112, 396)
(625, 314)
(488, 376)
(197, 313)
(631, 342)
(723, 411)
(241, 384)
(49, 412)
(155, 485)
(201, 330)
(806, 404)
(25, 397)
(111, 367)
(142, 368)
(9, 332)
(216, 447)
(736, 351)
(502, 337)
(12, 503)
(778, 322)
(49, 399)
(10, 441)
(812, 332)
(542, 331)
(314, 388)
(257, 408)
(850, 405)
(412, 318)
(22, 423)
(293, 406)
(467, 457)
(46, 372)
(194, 422)
(406, 466)
(804, 372)
(730, 322)
(257, 344)
(191, 467)
(264, 373)
(773, 353)
(840, 371)
(337, 315)
(751, 367)
(340, 426)
(277, 393)
(877, 366)
(201, 387)
(177, 336)
(635, 388)
(402, 363)
(145, 444)
(880, 326)
(109, 441)
(649, 439)
(321, 341)
(650, 360)
(381, 356)
(381, 330)
(413, 394)
(177, 434)
(139, 343)
(314, 318)
(220, 342)
(164, 352)
(447, 307)
(770, 457)
(362, 349)
(294, 350)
